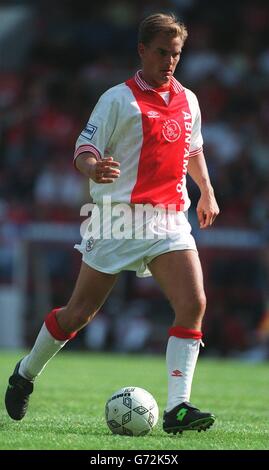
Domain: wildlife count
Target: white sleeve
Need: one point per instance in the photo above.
(99, 129)
(196, 145)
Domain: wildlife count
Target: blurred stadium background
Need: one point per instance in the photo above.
(56, 58)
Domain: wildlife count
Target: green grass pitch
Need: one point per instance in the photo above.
(67, 408)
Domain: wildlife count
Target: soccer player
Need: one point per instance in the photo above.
(140, 141)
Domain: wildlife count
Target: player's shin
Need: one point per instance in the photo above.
(50, 340)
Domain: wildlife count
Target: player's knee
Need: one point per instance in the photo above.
(192, 307)
(197, 304)
(200, 306)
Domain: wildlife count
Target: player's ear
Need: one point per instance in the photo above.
(141, 49)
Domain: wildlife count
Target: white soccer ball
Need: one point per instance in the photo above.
(131, 411)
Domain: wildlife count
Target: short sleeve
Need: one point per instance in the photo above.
(95, 137)
(196, 145)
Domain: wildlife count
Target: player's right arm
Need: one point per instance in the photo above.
(96, 138)
(100, 171)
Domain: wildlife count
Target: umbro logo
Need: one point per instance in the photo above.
(176, 373)
(153, 114)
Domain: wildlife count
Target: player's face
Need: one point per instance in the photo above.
(159, 59)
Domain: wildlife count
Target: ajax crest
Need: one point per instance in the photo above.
(171, 130)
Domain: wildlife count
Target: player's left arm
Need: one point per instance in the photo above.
(207, 207)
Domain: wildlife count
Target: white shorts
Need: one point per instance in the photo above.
(110, 250)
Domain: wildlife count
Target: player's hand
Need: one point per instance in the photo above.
(105, 171)
(207, 209)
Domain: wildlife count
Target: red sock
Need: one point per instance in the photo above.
(181, 332)
(54, 328)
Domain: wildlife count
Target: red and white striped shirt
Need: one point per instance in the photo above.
(152, 138)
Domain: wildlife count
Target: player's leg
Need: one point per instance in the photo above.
(60, 325)
(91, 290)
(179, 275)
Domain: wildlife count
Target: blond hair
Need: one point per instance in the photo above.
(161, 23)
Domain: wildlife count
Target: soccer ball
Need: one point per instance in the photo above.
(131, 411)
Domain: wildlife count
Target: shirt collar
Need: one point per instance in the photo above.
(143, 85)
